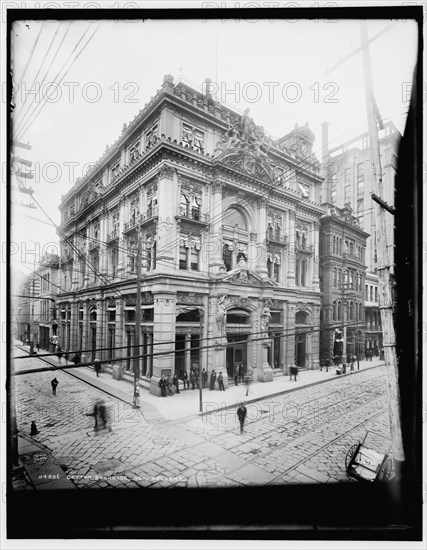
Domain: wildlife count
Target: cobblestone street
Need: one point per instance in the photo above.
(297, 437)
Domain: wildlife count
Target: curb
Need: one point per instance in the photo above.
(289, 390)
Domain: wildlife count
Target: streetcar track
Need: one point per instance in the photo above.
(360, 389)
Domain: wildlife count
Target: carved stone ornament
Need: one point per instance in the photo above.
(183, 298)
(166, 171)
(244, 147)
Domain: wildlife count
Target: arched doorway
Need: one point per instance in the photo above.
(237, 349)
(301, 332)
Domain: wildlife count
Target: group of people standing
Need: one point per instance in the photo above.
(171, 384)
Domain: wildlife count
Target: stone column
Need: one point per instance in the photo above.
(315, 258)
(213, 246)
(187, 354)
(292, 253)
(122, 259)
(150, 357)
(103, 230)
(265, 372)
(290, 340)
(100, 327)
(74, 327)
(163, 331)
(167, 227)
(261, 267)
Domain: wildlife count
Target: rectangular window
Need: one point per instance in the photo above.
(111, 342)
(193, 137)
(297, 273)
(376, 294)
(194, 259)
(333, 195)
(276, 272)
(347, 193)
(347, 175)
(134, 151)
(303, 272)
(147, 314)
(151, 136)
(115, 170)
(182, 257)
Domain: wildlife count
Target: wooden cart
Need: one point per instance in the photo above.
(366, 464)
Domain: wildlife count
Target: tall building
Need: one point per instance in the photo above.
(342, 282)
(229, 224)
(47, 322)
(349, 181)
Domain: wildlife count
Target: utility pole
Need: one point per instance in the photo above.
(201, 316)
(137, 323)
(383, 267)
(383, 263)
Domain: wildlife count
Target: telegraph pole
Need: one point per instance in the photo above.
(137, 323)
(383, 267)
(383, 263)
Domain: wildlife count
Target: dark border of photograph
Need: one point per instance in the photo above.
(353, 511)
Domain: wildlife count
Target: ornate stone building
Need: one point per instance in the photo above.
(342, 282)
(229, 222)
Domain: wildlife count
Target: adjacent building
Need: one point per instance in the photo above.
(349, 181)
(227, 221)
(342, 283)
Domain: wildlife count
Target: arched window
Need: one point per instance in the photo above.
(301, 318)
(351, 310)
(238, 316)
(334, 310)
(339, 312)
(335, 277)
(234, 217)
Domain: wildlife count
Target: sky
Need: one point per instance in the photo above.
(276, 68)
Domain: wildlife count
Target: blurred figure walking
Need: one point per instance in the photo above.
(241, 415)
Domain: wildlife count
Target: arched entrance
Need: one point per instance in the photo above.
(302, 319)
(238, 325)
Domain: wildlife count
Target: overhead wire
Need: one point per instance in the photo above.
(58, 49)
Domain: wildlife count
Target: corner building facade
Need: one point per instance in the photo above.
(229, 224)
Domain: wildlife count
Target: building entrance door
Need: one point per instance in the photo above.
(300, 342)
(236, 354)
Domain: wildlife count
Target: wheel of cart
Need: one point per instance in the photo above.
(367, 464)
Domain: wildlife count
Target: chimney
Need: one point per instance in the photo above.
(325, 139)
(209, 90)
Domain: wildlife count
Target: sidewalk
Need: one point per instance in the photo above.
(186, 404)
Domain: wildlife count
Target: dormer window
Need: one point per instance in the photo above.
(134, 151)
(115, 170)
(193, 137)
(151, 136)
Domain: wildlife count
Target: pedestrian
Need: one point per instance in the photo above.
(241, 373)
(204, 378)
(248, 383)
(169, 384)
(241, 415)
(34, 430)
(294, 371)
(236, 375)
(77, 358)
(162, 385)
(192, 380)
(54, 384)
(185, 380)
(197, 378)
(175, 381)
(213, 379)
(59, 352)
(38, 346)
(221, 382)
(104, 415)
(95, 413)
(97, 366)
